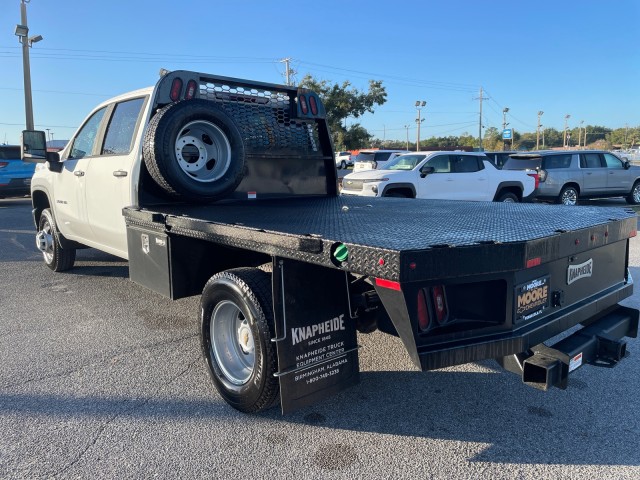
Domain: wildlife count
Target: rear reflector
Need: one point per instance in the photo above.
(191, 90)
(439, 303)
(391, 285)
(3, 164)
(534, 262)
(176, 88)
(303, 104)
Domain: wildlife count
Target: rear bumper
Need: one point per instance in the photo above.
(527, 337)
(15, 187)
(601, 343)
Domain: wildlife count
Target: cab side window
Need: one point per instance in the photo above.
(120, 131)
(84, 141)
(590, 160)
(612, 161)
(440, 164)
(464, 163)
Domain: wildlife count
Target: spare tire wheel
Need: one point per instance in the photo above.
(193, 150)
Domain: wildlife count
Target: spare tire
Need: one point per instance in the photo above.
(193, 150)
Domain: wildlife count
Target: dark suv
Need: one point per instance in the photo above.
(569, 175)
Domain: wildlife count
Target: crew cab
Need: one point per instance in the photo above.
(374, 159)
(443, 175)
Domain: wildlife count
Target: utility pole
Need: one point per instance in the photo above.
(540, 113)
(580, 133)
(22, 32)
(289, 72)
(480, 121)
(419, 105)
(407, 128)
(564, 139)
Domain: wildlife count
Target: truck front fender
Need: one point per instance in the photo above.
(399, 186)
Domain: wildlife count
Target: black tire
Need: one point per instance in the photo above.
(343, 165)
(56, 258)
(508, 197)
(236, 331)
(634, 195)
(194, 151)
(568, 196)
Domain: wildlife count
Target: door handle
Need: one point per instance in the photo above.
(119, 173)
(79, 173)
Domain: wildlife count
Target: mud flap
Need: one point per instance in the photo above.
(315, 336)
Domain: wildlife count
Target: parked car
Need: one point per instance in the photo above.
(500, 157)
(375, 159)
(15, 175)
(567, 176)
(343, 159)
(442, 175)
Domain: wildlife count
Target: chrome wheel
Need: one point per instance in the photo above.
(635, 193)
(232, 342)
(569, 196)
(203, 151)
(44, 242)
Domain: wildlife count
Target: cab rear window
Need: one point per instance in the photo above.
(9, 153)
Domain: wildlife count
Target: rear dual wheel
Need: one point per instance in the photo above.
(236, 331)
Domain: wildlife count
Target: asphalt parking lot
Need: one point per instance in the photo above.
(102, 378)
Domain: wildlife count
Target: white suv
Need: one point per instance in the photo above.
(443, 175)
(375, 159)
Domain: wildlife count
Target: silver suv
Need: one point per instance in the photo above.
(566, 176)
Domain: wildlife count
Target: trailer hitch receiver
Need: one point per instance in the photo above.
(599, 344)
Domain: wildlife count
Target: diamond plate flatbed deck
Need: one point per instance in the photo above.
(397, 239)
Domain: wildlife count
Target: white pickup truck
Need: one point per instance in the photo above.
(227, 188)
(443, 175)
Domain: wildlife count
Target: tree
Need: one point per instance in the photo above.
(342, 101)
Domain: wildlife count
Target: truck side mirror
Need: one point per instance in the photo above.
(426, 170)
(33, 146)
(626, 163)
(33, 149)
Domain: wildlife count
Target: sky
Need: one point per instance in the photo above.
(561, 57)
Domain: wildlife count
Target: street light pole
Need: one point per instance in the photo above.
(564, 140)
(22, 31)
(407, 129)
(419, 105)
(540, 112)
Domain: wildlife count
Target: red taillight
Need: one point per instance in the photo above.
(176, 88)
(313, 103)
(303, 104)
(423, 311)
(439, 303)
(3, 164)
(536, 177)
(191, 90)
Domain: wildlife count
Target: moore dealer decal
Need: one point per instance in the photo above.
(576, 272)
(532, 298)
